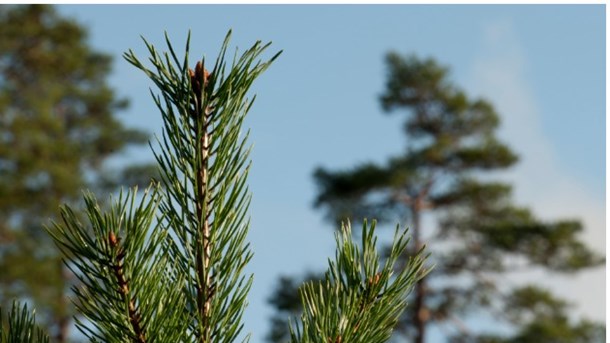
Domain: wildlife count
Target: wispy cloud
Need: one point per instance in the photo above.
(499, 73)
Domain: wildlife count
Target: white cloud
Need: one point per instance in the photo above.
(499, 73)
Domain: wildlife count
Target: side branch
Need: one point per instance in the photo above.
(123, 289)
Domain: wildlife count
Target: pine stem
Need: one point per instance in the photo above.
(201, 119)
(203, 254)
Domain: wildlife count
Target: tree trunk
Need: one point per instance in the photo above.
(420, 313)
(63, 329)
(63, 319)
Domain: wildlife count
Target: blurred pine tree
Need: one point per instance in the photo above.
(57, 127)
(480, 236)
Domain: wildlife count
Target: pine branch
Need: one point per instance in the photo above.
(123, 287)
(358, 301)
(120, 260)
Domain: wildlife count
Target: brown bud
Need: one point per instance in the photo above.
(198, 70)
(206, 76)
(200, 74)
(113, 239)
(374, 279)
(199, 77)
(195, 85)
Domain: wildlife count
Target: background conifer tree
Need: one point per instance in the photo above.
(480, 235)
(57, 127)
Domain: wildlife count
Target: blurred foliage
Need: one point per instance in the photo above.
(480, 236)
(57, 127)
(541, 318)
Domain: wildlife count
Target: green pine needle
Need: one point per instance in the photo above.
(20, 326)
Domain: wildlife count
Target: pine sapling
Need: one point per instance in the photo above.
(167, 264)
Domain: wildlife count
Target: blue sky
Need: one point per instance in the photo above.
(542, 66)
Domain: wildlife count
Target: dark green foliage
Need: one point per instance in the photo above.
(541, 317)
(451, 142)
(57, 127)
(560, 330)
